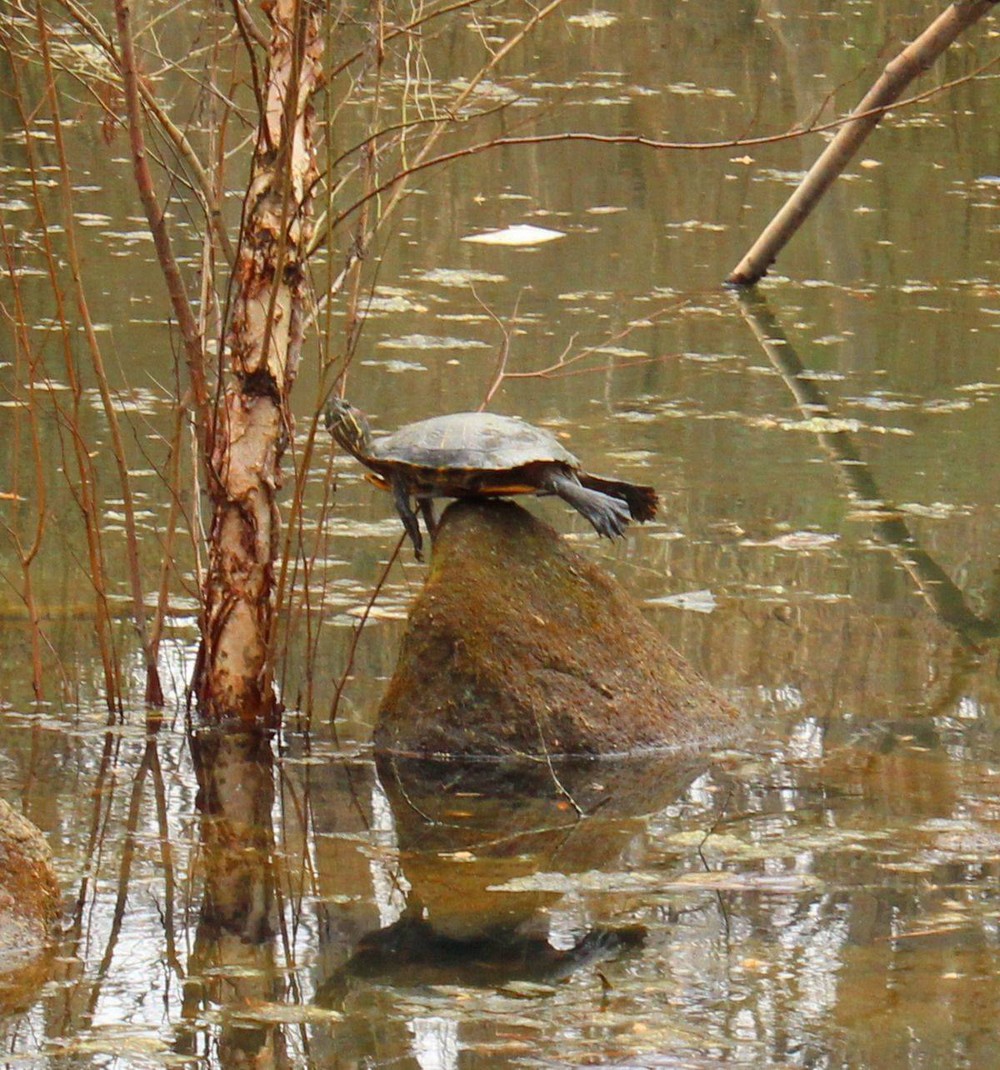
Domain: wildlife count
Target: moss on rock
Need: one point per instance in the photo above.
(518, 645)
(29, 909)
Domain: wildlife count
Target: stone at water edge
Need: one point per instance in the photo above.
(29, 909)
(518, 645)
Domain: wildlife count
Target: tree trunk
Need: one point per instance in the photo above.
(911, 62)
(252, 422)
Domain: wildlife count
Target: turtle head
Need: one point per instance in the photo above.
(348, 425)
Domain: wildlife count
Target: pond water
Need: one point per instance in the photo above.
(824, 894)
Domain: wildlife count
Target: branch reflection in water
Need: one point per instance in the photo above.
(935, 586)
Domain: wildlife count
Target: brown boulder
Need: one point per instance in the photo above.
(517, 645)
(29, 909)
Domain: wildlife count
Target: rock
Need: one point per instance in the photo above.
(29, 908)
(517, 645)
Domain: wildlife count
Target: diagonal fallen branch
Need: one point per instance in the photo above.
(916, 58)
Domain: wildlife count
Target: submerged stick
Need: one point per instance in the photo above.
(916, 58)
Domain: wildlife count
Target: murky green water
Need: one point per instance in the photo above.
(825, 895)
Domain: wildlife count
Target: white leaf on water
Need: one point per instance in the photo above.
(621, 351)
(977, 388)
(826, 425)
(393, 301)
(517, 235)
(696, 224)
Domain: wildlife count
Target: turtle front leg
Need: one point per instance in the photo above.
(401, 499)
(427, 512)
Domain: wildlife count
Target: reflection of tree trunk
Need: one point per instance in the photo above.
(232, 964)
(253, 422)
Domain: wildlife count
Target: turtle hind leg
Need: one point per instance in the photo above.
(609, 516)
(642, 501)
(401, 499)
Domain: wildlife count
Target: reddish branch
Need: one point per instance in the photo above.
(191, 336)
(153, 688)
(84, 492)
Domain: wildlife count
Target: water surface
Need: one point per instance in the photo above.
(823, 895)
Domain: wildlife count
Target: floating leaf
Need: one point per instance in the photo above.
(959, 405)
(429, 341)
(976, 388)
(517, 235)
(382, 611)
(92, 219)
(798, 540)
(394, 367)
(621, 351)
(285, 1013)
(697, 601)
(724, 881)
(934, 511)
(397, 301)
(714, 880)
(880, 403)
(697, 224)
(593, 880)
(594, 20)
(460, 276)
(526, 989)
(827, 425)
(122, 1040)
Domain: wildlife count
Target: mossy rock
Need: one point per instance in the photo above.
(29, 909)
(517, 645)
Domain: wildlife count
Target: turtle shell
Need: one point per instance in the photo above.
(470, 442)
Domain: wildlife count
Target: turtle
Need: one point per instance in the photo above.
(477, 455)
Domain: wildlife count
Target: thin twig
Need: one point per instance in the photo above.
(359, 628)
(652, 143)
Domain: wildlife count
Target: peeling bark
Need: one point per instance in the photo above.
(253, 422)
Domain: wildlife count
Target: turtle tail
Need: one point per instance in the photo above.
(642, 501)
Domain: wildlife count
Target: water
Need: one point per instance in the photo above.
(823, 895)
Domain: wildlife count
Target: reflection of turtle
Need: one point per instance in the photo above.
(478, 454)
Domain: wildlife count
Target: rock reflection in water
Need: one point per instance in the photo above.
(466, 828)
